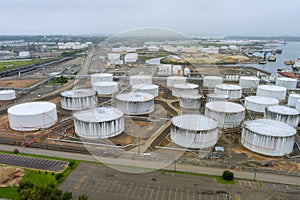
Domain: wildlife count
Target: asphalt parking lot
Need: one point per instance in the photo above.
(34, 163)
(101, 182)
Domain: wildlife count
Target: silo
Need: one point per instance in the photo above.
(146, 88)
(249, 82)
(292, 101)
(284, 114)
(172, 80)
(233, 91)
(101, 77)
(216, 97)
(268, 137)
(100, 122)
(140, 79)
(289, 83)
(227, 114)
(190, 101)
(135, 103)
(194, 131)
(184, 89)
(212, 81)
(273, 91)
(6, 95)
(105, 88)
(32, 116)
(78, 99)
(259, 104)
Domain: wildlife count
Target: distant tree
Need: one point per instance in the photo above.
(83, 197)
(16, 151)
(71, 163)
(228, 175)
(25, 185)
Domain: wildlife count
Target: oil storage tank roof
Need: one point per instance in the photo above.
(226, 107)
(135, 97)
(284, 110)
(100, 114)
(78, 93)
(194, 122)
(31, 108)
(269, 127)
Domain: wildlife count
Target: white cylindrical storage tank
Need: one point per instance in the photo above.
(212, 81)
(184, 89)
(273, 91)
(190, 101)
(32, 116)
(103, 88)
(216, 97)
(298, 105)
(146, 88)
(6, 95)
(233, 91)
(78, 99)
(292, 101)
(289, 83)
(268, 137)
(249, 82)
(101, 77)
(227, 114)
(97, 123)
(194, 131)
(140, 79)
(172, 80)
(259, 104)
(284, 114)
(135, 103)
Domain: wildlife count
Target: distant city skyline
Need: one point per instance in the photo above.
(215, 18)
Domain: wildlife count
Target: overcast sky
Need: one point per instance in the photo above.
(192, 17)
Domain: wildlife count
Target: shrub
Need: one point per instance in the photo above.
(59, 176)
(228, 175)
(16, 151)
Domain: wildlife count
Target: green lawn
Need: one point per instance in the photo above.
(38, 177)
(18, 63)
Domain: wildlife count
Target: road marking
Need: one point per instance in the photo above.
(181, 194)
(162, 197)
(134, 190)
(129, 188)
(119, 186)
(123, 190)
(151, 193)
(79, 182)
(169, 193)
(146, 191)
(175, 196)
(140, 191)
(287, 187)
(193, 194)
(115, 183)
(101, 186)
(158, 190)
(107, 185)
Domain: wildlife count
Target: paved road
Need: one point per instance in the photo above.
(116, 162)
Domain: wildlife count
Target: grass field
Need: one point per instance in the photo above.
(19, 63)
(38, 177)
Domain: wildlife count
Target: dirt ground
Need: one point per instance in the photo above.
(10, 176)
(19, 83)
